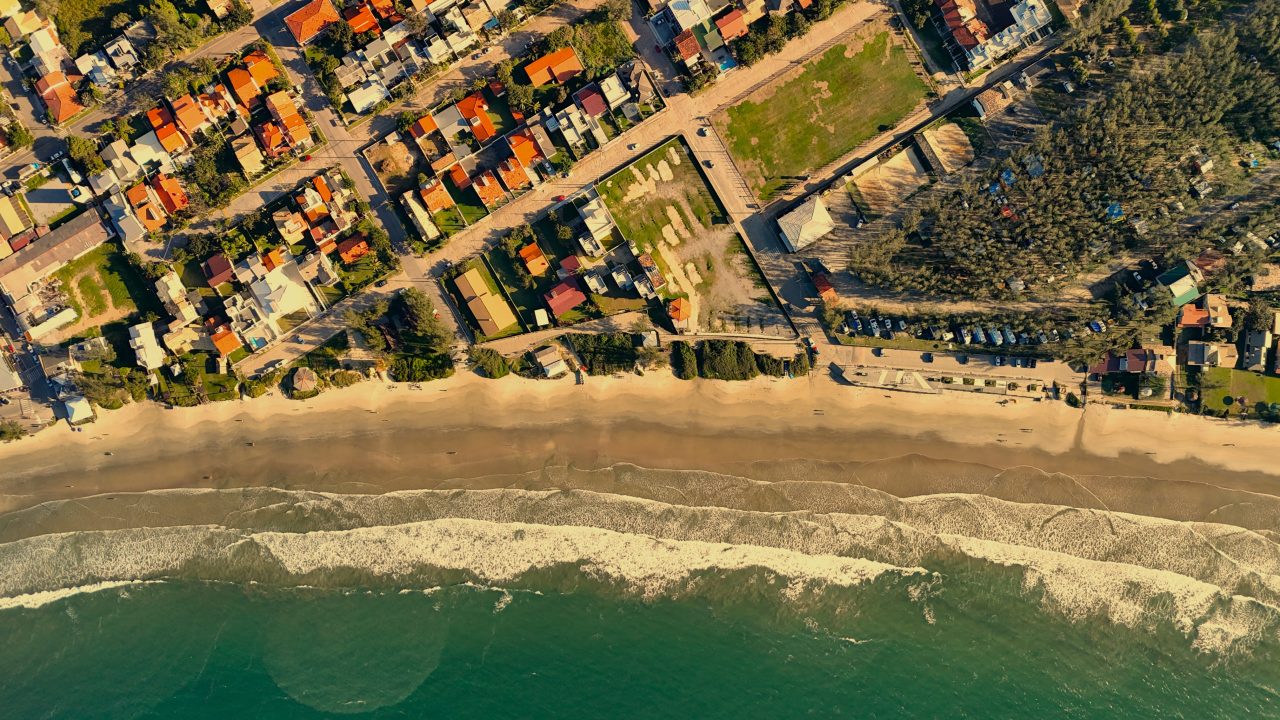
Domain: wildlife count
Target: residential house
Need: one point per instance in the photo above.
(806, 224)
(687, 48)
(564, 297)
(121, 53)
(980, 32)
(286, 113)
(1156, 360)
(491, 312)
(353, 248)
(487, 187)
(271, 138)
(474, 111)
(1206, 354)
(255, 313)
(591, 100)
(142, 338)
(13, 219)
(225, 341)
(680, 310)
(555, 67)
(20, 25)
(599, 224)
(651, 271)
(615, 94)
(360, 18)
(535, 261)
(249, 156)
(364, 96)
(21, 272)
(732, 25)
(311, 19)
(422, 220)
(96, 67)
(513, 175)
(146, 206)
(59, 97)
(548, 358)
(170, 193)
(189, 116)
(1182, 281)
(1210, 311)
(1257, 343)
(149, 153)
(524, 147)
(119, 161)
(688, 14)
(243, 85)
(123, 219)
(435, 196)
(220, 8)
(217, 270)
(49, 54)
(176, 299)
(260, 68)
(991, 101)
(291, 225)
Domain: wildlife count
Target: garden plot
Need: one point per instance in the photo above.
(662, 203)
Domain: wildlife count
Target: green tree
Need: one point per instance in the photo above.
(85, 153)
(19, 136)
(490, 362)
(10, 431)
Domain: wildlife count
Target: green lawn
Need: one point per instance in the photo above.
(449, 221)
(641, 219)
(524, 300)
(1218, 384)
(468, 202)
(104, 273)
(834, 105)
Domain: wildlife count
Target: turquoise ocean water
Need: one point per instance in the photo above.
(239, 627)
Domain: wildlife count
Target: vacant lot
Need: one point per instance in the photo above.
(662, 203)
(103, 288)
(885, 186)
(823, 110)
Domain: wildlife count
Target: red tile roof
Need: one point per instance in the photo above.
(158, 117)
(322, 187)
(558, 66)
(217, 269)
(524, 147)
(311, 19)
(535, 261)
(189, 116)
(564, 297)
(435, 196)
(459, 177)
(424, 126)
(243, 84)
(592, 101)
(225, 341)
(353, 248)
(170, 192)
(260, 67)
(361, 19)
(687, 45)
(487, 187)
(680, 309)
(513, 175)
(473, 108)
(59, 96)
(170, 139)
(732, 25)
(967, 34)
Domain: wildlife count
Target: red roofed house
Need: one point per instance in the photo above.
(260, 68)
(217, 270)
(189, 116)
(961, 17)
(472, 108)
(1209, 311)
(243, 85)
(680, 311)
(423, 127)
(170, 193)
(591, 101)
(487, 187)
(271, 137)
(513, 175)
(687, 47)
(59, 97)
(535, 261)
(732, 25)
(460, 179)
(564, 297)
(556, 67)
(225, 341)
(146, 206)
(322, 187)
(435, 196)
(386, 9)
(361, 19)
(286, 113)
(524, 147)
(311, 19)
(171, 138)
(273, 258)
(353, 248)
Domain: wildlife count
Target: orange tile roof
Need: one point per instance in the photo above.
(513, 175)
(311, 19)
(435, 196)
(170, 139)
(361, 19)
(59, 96)
(424, 126)
(260, 67)
(170, 192)
(558, 66)
(225, 341)
(524, 147)
(385, 8)
(151, 215)
(273, 259)
(158, 117)
(535, 261)
(459, 177)
(687, 45)
(733, 25)
(680, 309)
(322, 187)
(487, 187)
(243, 84)
(315, 214)
(286, 113)
(187, 113)
(473, 109)
(137, 195)
(353, 248)
(272, 138)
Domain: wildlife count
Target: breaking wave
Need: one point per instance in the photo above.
(668, 533)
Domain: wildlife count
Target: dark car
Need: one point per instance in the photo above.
(381, 283)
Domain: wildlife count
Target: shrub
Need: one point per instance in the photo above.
(490, 362)
(606, 353)
(418, 369)
(684, 360)
(800, 365)
(727, 360)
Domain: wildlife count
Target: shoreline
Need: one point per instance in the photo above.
(377, 437)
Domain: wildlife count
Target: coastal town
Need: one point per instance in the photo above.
(211, 200)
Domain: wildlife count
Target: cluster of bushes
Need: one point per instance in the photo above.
(730, 360)
(768, 35)
(604, 354)
(412, 368)
(490, 362)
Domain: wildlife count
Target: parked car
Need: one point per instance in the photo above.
(998, 361)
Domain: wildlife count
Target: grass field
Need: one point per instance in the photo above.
(103, 282)
(640, 216)
(1218, 384)
(838, 101)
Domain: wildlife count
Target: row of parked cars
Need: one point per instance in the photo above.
(973, 334)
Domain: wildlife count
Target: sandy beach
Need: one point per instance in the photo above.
(468, 431)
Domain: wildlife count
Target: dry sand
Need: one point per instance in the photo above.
(376, 437)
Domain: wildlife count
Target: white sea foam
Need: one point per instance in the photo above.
(44, 597)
